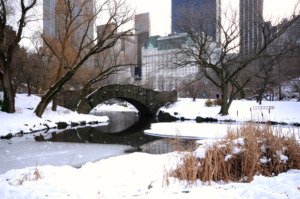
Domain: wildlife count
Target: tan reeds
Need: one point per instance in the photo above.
(245, 152)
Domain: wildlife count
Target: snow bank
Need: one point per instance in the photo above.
(136, 176)
(24, 120)
(240, 110)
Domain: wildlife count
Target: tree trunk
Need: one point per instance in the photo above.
(85, 90)
(45, 100)
(28, 86)
(54, 104)
(8, 104)
(243, 95)
(260, 96)
(224, 108)
(225, 105)
(48, 96)
(279, 92)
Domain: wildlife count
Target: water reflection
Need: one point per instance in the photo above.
(158, 147)
(121, 121)
(124, 128)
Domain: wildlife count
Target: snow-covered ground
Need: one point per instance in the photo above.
(21, 152)
(240, 111)
(136, 175)
(26, 121)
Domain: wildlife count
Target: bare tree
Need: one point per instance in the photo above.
(275, 65)
(110, 66)
(27, 70)
(9, 42)
(36, 72)
(264, 79)
(149, 82)
(219, 60)
(196, 87)
(19, 68)
(296, 87)
(73, 46)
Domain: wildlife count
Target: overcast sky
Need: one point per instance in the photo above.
(160, 11)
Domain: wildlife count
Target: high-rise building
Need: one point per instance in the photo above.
(53, 17)
(142, 23)
(142, 32)
(49, 17)
(251, 21)
(117, 59)
(208, 12)
(293, 31)
(163, 64)
(159, 56)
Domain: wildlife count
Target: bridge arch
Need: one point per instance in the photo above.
(146, 101)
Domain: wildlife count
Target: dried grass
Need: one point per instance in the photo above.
(36, 175)
(250, 150)
(214, 102)
(182, 144)
(218, 102)
(209, 103)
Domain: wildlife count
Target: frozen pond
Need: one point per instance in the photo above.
(77, 146)
(19, 153)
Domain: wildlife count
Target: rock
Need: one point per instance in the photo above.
(61, 125)
(8, 136)
(39, 138)
(296, 124)
(133, 149)
(272, 122)
(228, 120)
(207, 119)
(93, 122)
(82, 123)
(74, 124)
(165, 117)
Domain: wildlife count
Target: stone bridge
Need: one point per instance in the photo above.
(146, 101)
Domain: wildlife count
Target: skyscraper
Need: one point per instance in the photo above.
(49, 17)
(54, 16)
(251, 19)
(209, 12)
(72, 16)
(142, 31)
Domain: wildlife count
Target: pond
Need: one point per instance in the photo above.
(124, 128)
